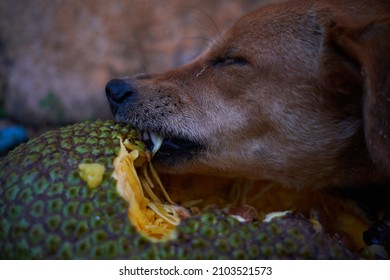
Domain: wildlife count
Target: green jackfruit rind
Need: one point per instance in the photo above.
(214, 235)
(48, 212)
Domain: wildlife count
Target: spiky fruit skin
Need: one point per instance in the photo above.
(48, 212)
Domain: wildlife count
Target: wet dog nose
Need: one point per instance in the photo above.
(117, 90)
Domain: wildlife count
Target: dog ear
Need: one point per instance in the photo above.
(368, 46)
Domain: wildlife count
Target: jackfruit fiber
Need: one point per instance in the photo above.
(49, 212)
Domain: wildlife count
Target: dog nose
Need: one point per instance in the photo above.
(117, 90)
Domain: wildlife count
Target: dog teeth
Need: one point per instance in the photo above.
(145, 136)
(157, 141)
(151, 139)
(139, 134)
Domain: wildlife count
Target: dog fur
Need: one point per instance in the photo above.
(297, 93)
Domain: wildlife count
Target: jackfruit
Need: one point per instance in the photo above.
(48, 211)
(92, 173)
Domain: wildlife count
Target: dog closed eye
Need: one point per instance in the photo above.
(227, 61)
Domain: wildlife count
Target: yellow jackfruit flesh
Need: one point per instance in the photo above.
(147, 212)
(92, 173)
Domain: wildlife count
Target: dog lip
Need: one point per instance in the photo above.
(168, 149)
(168, 146)
(177, 147)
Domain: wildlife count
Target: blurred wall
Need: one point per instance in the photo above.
(56, 56)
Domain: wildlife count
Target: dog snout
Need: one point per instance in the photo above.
(117, 91)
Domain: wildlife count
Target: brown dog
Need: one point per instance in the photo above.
(297, 93)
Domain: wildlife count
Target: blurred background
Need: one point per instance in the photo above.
(56, 56)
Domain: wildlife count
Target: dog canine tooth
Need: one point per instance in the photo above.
(157, 141)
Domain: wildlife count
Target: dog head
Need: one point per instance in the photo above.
(293, 93)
